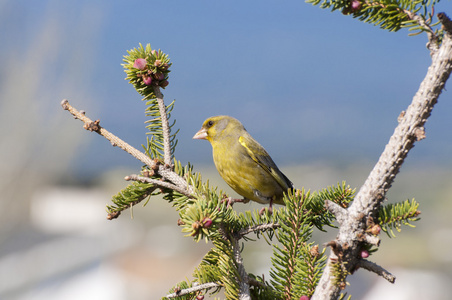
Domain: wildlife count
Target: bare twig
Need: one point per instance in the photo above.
(165, 126)
(433, 39)
(160, 183)
(260, 227)
(114, 140)
(254, 282)
(210, 285)
(373, 267)
(372, 193)
(244, 286)
(446, 22)
(164, 170)
(200, 287)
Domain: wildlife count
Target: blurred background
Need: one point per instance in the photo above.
(321, 92)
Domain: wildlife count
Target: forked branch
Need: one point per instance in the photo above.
(373, 192)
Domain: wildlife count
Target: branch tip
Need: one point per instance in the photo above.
(446, 22)
(113, 215)
(379, 270)
(64, 104)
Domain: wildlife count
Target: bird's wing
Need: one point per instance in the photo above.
(263, 159)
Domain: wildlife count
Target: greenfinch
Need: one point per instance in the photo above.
(242, 162)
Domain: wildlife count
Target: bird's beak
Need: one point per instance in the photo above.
(201, 134)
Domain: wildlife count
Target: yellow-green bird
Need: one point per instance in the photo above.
(242, 162)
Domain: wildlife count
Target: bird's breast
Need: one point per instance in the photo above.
(244, 175)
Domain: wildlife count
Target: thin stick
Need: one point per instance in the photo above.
(114, 140)
(165, 126)
(160, 183)
(260, 227)
(373, 267)
(165, 171)
(244, 286)
(200, 287)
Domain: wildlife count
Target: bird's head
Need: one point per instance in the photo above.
(219, 127)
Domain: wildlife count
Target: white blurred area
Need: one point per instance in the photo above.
(55, 241)
(70, 251)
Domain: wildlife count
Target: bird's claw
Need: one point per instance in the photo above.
(263, 209)
(231, 201)
(270, 209)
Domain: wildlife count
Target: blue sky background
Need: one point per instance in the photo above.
(309, 84)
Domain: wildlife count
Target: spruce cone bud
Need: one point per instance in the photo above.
(147, 80)
(159, 76)
(355, 5)
(164, 83)
(140, 64)
(207, 222)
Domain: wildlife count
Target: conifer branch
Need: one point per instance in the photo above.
(129, 197)
(165, 126)
(373, 267)
(433, 38)
(410, 129)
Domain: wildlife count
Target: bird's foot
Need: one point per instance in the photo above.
(263, 209)
(270, 209)
(231, 201)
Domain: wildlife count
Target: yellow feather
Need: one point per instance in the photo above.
(242, 162)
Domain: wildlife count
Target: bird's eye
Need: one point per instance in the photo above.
(210, 123)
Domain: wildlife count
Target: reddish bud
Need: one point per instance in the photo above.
(304, 298)
(355, 5)
(364, 253)
(159, 76)
(164, 83)
(207, 222)
(200, 297)
(147, 80)
(154, 52)
(157, 63)
(140, 64)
